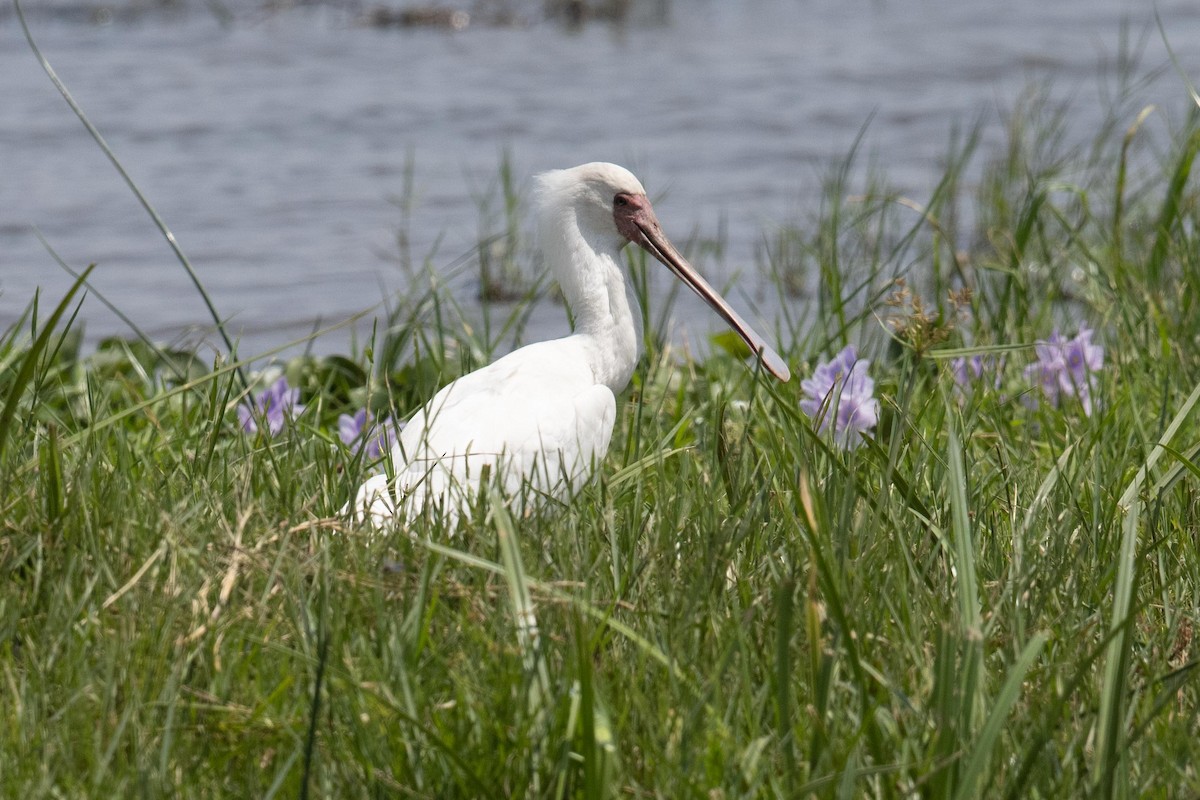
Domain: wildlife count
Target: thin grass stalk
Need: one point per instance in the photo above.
(321, 635)
(528, 635)
(1171, 212)
(112, 157)
(830, 267)
(601, 615)
(974, 770)
(29, 364)
(595, 734)
(1118, 220)
(784, 606)
(121, 315)
(813, 530)
(125, 413)
(971, 679)
(1110, 752)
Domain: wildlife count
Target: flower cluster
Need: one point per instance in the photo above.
(276, 406)
(358, 431)
(841, 396)
(1067, 367)
(968, 372)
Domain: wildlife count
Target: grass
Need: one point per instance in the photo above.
(984, 600)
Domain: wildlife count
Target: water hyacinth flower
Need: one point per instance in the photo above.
(970, 372)
(275, 406)
(1067, 367)
(357, 431)
(841, 396)
(966, 371)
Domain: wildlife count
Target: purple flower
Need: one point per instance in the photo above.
(351, 427)
(377, 438)
(277, 405)
(1067, 367)
(840, 395)
(968, 372)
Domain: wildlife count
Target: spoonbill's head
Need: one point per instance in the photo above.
(585, 196)
(608, 206)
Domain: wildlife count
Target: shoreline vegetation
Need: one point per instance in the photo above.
(397, 14)
(985, 583)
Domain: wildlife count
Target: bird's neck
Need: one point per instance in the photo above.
(607, 315)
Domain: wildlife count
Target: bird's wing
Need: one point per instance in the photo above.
(534, 417)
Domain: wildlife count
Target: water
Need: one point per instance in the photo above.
(272, 147)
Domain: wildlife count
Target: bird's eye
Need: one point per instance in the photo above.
(620, 200)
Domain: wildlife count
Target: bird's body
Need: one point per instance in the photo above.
(539, 419)
(535, 419)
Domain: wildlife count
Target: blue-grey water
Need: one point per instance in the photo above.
(275, 147)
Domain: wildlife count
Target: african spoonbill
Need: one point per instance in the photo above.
(542, 416)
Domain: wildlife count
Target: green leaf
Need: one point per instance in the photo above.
(731, 343)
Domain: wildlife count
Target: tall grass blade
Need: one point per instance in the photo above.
(1184, 462)
(233, 366)
(1118, 217)
(964, 549)
(595, 730)
(1171, 212)
(1113, 700)
(29, 364)
(784, 593)
(958, 655)
(314, 713)
(1042, 496)
(975, 768)
(163, 355)
(112, 157)
(528, 636)
(1191, 87)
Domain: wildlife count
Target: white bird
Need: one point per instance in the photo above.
(540, 418)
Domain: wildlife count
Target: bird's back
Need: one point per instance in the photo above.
(533, 421)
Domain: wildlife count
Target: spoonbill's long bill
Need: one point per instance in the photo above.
(541, 417)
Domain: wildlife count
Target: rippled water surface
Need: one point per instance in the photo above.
(274, 146)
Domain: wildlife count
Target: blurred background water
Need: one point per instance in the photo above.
(281, 143)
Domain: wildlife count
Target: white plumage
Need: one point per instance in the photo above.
(539, 419)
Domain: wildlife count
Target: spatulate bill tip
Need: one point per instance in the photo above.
(775, 364)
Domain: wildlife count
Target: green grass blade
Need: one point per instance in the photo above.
(782, 675)
(1185, 463)
(233, 366)
(975, 768)
(1109, 735)
(112, 157)
(1187, 82)
(528, 635)
(593, 752)
(1118, 217)
(163, 355)
(964, 561)
(1042, 496)
(29, 364)
(1171, 212)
